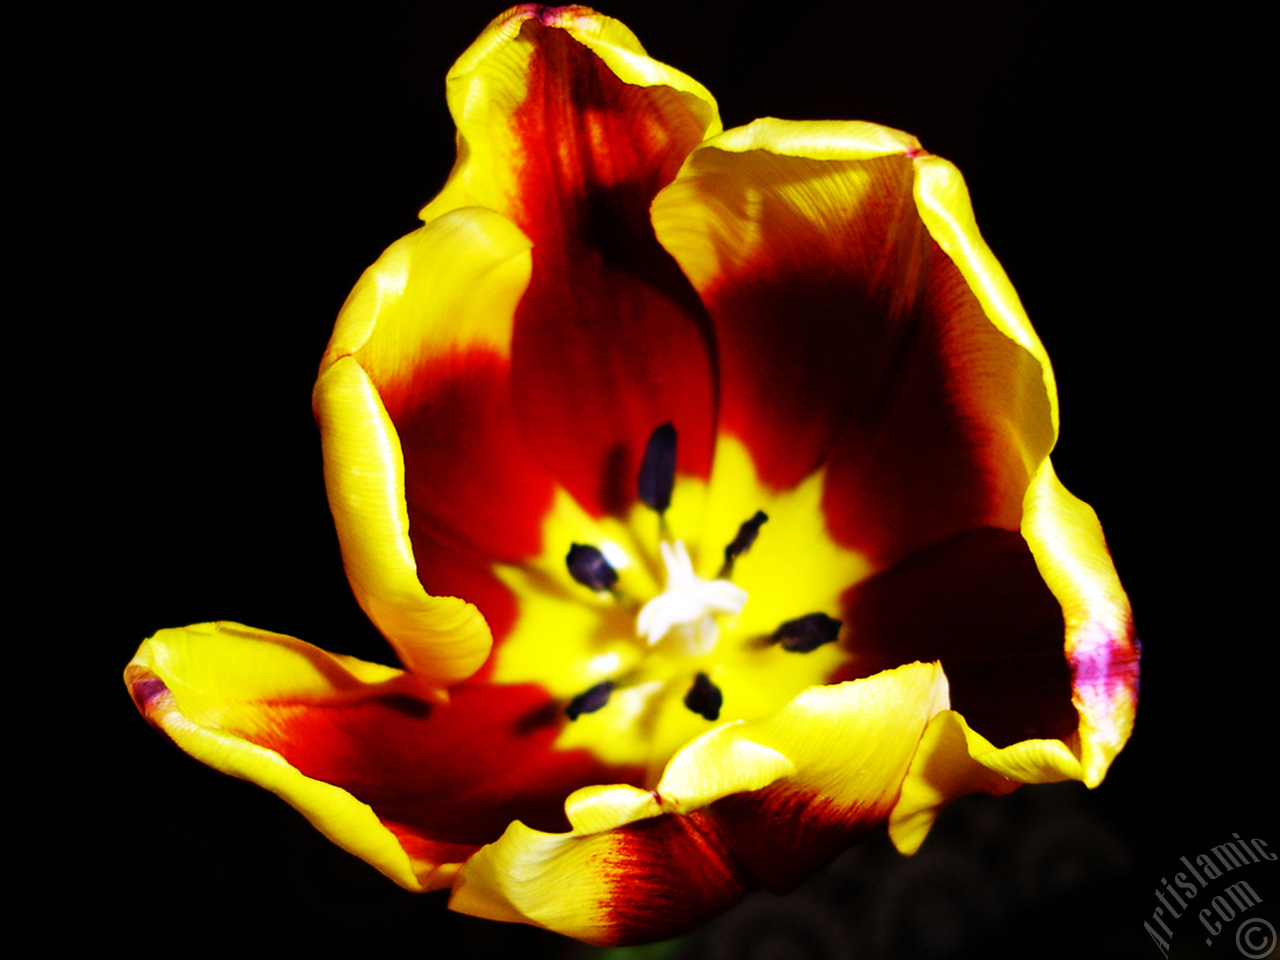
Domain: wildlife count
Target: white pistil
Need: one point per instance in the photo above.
(686, 609)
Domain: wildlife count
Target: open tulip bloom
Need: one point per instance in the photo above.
(700, 481)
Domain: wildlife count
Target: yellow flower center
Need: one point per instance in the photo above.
(645, 632)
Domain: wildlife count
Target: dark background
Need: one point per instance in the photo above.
(201, 184)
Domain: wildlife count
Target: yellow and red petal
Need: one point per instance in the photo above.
(976, 603)
(1101, 652)
(975, 412)
(930, 418)
(377, 761)
(799, 259)
(431, 325)
(420, 443)
(505, 73)
(750, 804)
(567, 128)
(645, 880)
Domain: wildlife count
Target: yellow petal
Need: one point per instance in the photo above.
(448, 287)
(953, 761)
(849, 743)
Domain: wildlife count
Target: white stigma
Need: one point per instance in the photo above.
(686, 609)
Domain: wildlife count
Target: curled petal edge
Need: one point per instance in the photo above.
(449, 286)
(338, 815)
(1071, 554)
(954, 761)
(943, 202)
(817, 139)
(442, 640)
(679, 211)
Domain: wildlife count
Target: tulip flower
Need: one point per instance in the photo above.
(700, 481)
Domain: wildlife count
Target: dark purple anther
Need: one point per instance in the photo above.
(588, 566)
(807, 633)
(591, 701)
(704, 698)
(747, 534)
(658, 469)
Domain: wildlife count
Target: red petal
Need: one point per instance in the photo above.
(453, 772)
(466, 466)
(940, 444)
(848, 336)
(671, 874)
(807, 320)
(610, 339)
(457, 773)
(977, 604)
(475, 492)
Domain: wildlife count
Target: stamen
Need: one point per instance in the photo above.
(588, 566)
(740, 544)
(657, 477)
(590, 701)
(807, 633)
(704, 698)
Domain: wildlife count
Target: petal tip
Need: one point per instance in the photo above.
(148, 691)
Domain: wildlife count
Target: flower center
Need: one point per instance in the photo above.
(642, 629)
(684, 614)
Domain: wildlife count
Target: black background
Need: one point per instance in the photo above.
(201, 184)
